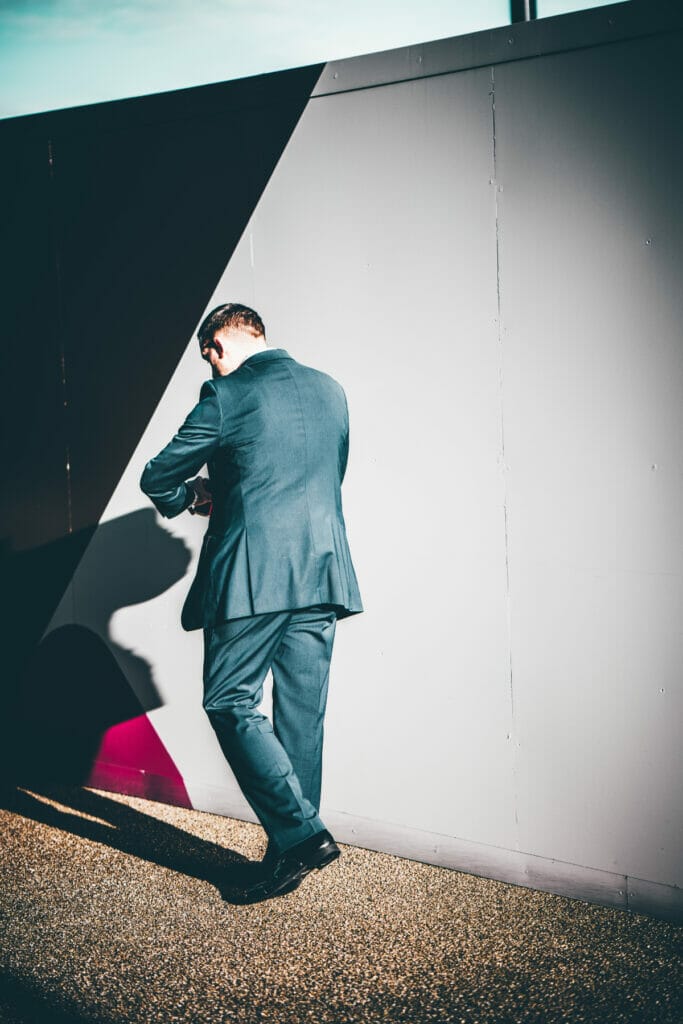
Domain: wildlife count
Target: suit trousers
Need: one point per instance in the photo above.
(278, 766)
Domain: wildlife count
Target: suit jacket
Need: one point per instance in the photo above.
(274, 435)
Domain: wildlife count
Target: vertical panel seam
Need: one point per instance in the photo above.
(501, 457)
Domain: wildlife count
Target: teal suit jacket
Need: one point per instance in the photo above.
(274, 435)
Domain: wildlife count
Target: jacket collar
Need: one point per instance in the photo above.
(267, 353)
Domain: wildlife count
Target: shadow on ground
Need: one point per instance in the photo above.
(123, 828)
(21, 1004)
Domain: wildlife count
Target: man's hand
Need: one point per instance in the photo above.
(164, 478)
(203, 503)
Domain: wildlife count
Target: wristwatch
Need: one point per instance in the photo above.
(206, 507)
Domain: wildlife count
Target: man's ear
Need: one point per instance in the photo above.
(219, 348)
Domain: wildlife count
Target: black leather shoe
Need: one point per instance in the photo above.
(290, 868)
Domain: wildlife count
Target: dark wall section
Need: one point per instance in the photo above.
(117, 222)
(30, 422)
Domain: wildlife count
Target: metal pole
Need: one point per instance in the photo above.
(522, 10)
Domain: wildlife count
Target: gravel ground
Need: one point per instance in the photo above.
(110, 912)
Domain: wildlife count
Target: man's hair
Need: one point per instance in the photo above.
(230, 314)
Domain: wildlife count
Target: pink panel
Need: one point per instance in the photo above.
(132, 759)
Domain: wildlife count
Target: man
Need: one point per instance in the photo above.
(274, 572)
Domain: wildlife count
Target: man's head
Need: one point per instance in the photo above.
(229, 335)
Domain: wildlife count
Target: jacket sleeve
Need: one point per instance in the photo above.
(163, 478)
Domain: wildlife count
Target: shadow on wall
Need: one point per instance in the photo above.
(81, 697)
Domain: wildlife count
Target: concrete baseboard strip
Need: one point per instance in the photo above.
(592, 885)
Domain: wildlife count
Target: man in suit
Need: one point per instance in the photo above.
(274, 573)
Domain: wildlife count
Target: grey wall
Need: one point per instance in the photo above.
(488, 260)
(590, 225)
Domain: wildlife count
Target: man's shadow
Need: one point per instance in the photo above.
(76, 686)
(79, 682)
(128, 830)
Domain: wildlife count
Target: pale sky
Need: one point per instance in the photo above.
(62, 53)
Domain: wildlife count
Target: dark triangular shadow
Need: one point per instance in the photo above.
(122, 220)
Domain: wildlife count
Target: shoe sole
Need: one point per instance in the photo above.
(323, 857)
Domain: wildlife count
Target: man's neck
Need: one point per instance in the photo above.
(236, 354)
